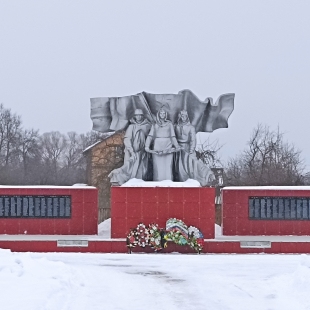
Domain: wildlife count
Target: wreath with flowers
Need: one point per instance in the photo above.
(143, 235)
(195, 238)
(157, 238)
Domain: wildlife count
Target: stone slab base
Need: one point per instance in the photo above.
(119, 246)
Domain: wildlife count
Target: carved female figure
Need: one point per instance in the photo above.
(162, 136)
(185, 162)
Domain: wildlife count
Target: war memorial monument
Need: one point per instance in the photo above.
(160, 193)
(159, 146)
(160, 138)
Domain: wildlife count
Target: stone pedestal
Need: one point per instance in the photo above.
(132, 205)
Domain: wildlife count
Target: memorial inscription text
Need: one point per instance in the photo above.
(35, 206)
(279, 208)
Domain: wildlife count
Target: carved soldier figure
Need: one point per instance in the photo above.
(134, 139)
(135, 159)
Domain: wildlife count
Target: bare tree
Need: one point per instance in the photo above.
(62, 161)
(267, 160)
(10, 126)
(29, 152)
(73, 150)
(74, 168)
(61, 157)
(53, 145)
(26, 157)
(208, 153)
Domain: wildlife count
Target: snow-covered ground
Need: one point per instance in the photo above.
(32, 281)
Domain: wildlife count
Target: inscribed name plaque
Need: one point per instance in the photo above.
(72, 243)
(279, 208)
(35, 206)
(255, 244)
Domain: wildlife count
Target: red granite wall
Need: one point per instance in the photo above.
(235, 216)
(83, 219)
(132, 205)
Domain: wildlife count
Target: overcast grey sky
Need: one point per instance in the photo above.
(55, 55)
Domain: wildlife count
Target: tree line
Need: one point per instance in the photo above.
(267, 160)
(52, 158)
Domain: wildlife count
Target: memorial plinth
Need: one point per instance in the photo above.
(133, 205)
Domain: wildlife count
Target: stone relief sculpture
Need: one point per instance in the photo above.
(185, 133)
(160, 134)
(134, 142)
(186, 165)
(135, 159)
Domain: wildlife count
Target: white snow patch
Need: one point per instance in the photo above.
(29, 284)
(278, 188)
(104, 229)
(166, 183)
(83, 186)
(218, 230)
(103, 137)
(53, 281)
(92, 145)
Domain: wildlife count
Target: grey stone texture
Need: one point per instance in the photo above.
(160, 136)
